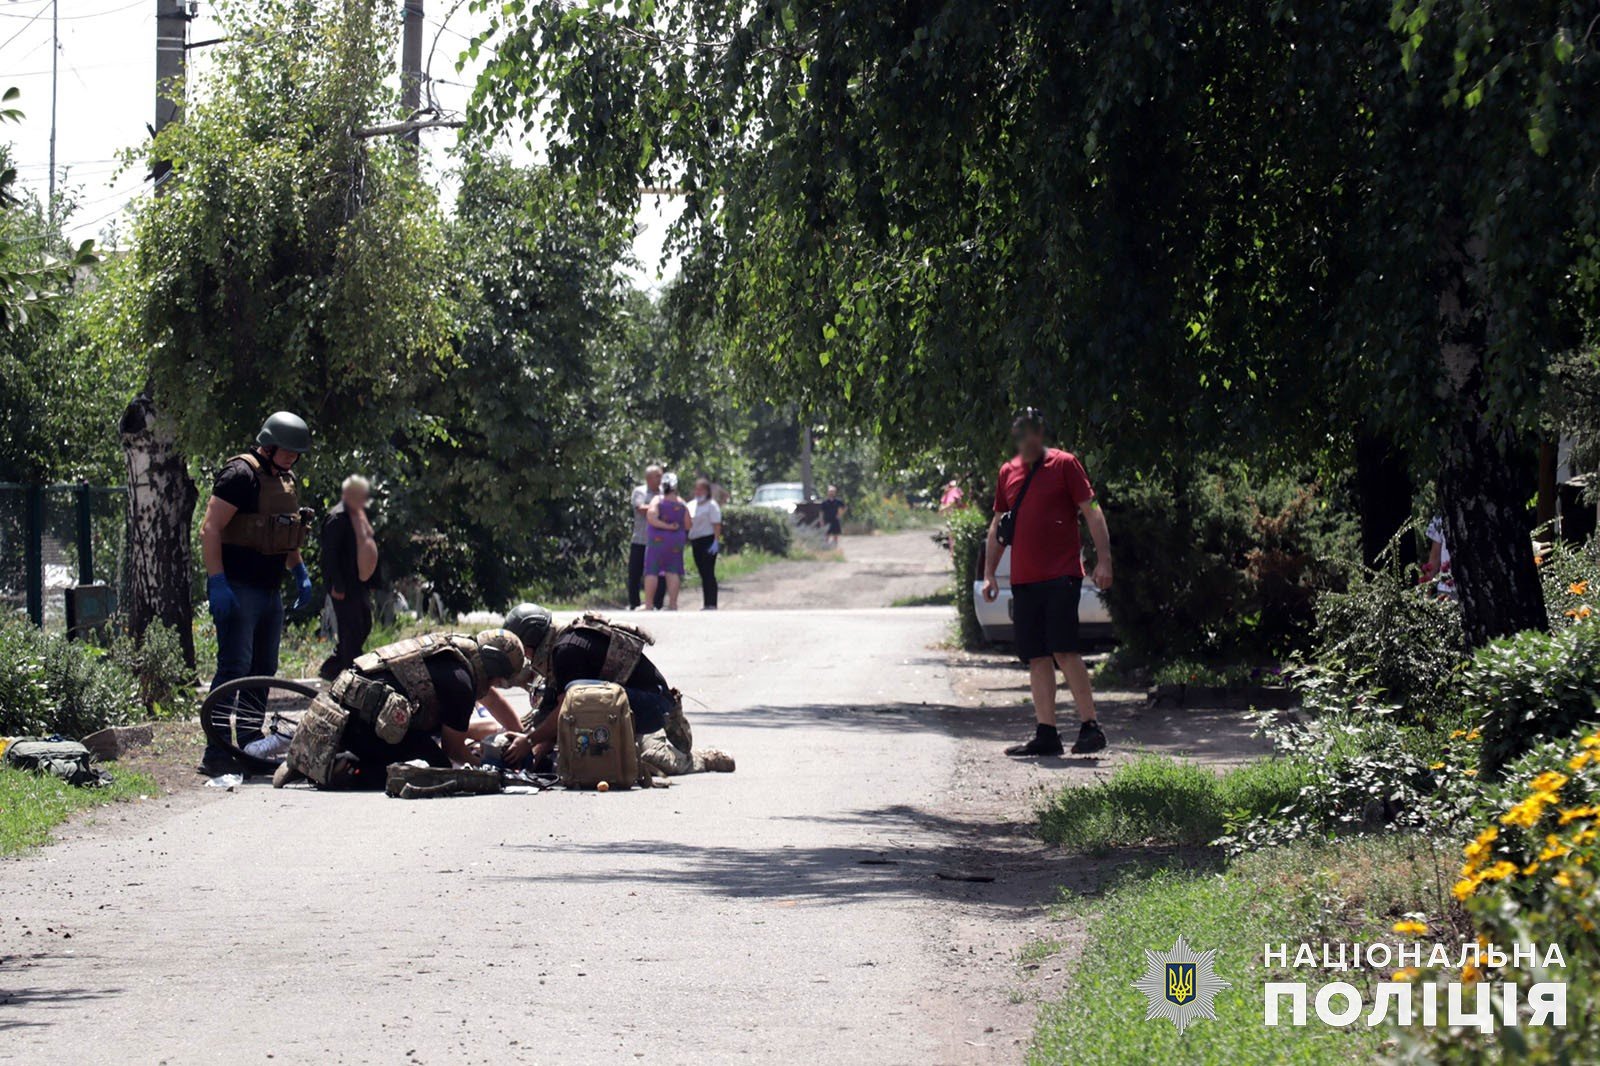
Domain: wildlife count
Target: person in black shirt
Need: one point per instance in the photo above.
(250, 536)
(370, 755)
(833, 510)
(349, 559)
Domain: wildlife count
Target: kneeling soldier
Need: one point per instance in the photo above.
(387, 708)
(594, 648)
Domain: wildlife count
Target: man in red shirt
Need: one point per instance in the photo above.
(1045, 490)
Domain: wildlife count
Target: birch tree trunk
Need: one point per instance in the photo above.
(161, 500)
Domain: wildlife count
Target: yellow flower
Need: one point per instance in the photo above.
(1499, 871)
(1549, 781)
(1410, 927)
(1574, 813)
(1580, 760)
(1436, 766)
(1583, 923)
(1530, 869)
(1470, 973)
(1563, 879)
(1553, 849)
(1578, 588)
(1580, 613)
(1475, 734)
(1591, 741)
(1458, 734)
(1526, 813)
(1465, 888)
(1407, 974)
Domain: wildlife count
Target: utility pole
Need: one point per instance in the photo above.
(55, 59)
(172, 38)
(411, 69)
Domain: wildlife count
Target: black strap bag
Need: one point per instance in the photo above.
(1006, 530)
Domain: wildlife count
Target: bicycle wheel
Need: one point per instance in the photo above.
(241, 712)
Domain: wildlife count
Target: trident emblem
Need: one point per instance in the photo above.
(1180, 982)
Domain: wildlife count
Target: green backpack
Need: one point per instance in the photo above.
(66, 759)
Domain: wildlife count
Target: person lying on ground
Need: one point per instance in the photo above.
(594, 648)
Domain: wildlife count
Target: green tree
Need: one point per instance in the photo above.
(287, 261)
(1275, 229)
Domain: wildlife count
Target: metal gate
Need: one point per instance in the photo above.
(57, 538)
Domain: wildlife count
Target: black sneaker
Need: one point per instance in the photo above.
(216, 763)
(1045, 742)
(1091, 738)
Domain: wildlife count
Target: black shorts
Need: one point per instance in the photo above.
(1044, 617)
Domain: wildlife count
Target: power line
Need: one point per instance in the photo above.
(79, 17)
(20, 30)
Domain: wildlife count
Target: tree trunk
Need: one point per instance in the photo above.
(161, 499)
(1481, 492)
(1383, 495)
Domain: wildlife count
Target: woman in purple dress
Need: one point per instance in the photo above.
(663, 552)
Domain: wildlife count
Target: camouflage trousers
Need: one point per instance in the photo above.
(666, 759)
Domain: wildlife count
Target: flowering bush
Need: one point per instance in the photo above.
(1534, 686)
(1571, 578)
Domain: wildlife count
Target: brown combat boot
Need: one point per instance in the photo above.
(715, 760)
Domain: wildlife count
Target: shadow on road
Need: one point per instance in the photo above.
(38, 1000)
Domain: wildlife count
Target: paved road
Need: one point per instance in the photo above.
(727, 919)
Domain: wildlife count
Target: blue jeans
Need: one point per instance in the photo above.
(247, 642)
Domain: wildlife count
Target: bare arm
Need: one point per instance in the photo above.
(218, 514)
(1101, 535)
(991, 560)
(501, 711)
(366, 545)
(454, 743)
(653, 516)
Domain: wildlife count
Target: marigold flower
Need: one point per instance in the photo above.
(1499, 871)
(1591, 741)
(1464, 888)
(1578, 588)
(1475, 734)
(1407, 974)
(1572, 814)
(1580, 760)
(1549, 781)
(1410, 927)
(1580, 613)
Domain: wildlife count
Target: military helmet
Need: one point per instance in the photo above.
(285, 430)
(501, 653)
(530, 623)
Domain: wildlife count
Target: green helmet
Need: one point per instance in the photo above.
(286, 431)
(530, 623)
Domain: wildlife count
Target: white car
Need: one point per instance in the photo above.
(782, 496)
(1094, 620)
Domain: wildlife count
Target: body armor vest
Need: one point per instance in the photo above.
(278, 525)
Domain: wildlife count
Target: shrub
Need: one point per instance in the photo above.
(969, 529)
(166, 683)
(1155, 799)
(756, 527)
(64, 686)
(1389, 640)
(1224, 566)
(1571, 579)
(1531, 686)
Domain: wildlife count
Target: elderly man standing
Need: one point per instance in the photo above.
(349, 559)
(643, 496)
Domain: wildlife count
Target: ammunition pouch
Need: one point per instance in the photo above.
(317, 740)
(388, 712)
(279, 525)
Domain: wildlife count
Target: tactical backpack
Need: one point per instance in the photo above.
(594, 737)
(57, 757)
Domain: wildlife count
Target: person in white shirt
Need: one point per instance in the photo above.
(705, 537)
(643, 496)
(1437, 568)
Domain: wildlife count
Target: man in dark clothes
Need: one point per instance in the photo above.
(250, 539)
(583, 651)
(832, 511)
(349, 559)
(371, 754)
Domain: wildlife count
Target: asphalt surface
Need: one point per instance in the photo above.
(729, 918)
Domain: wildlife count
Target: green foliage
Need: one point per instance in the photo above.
(758, 528)
(49, 684)
(289, 263)
(1534, 686)
(1571, 579)
(1158, 800)
(1349, 891)
(1220, 564)
(32, 804)
(969, 529)
(155, 661)
(1391, 643)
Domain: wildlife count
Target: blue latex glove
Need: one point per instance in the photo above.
(716, 546)
(219, 594)
(302, 580)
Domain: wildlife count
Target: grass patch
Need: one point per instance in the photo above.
(32, 804)
(1158, 800)
(945, 597)
(1351, 890)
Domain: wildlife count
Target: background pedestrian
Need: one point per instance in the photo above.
(643, 496)
(349, 560)
(668, 517)
(705, 538)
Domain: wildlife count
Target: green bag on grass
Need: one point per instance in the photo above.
(58, 757)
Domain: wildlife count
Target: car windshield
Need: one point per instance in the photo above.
(779, 493)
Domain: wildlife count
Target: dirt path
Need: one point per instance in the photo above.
(875, 572)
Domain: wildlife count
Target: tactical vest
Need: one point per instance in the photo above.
(406, 660)
(625, 648)
(277, 527)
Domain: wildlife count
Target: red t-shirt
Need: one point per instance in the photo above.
(1047, 545)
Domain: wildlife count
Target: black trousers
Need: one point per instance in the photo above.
(353, 617)
(705, 561)
(636, 579)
